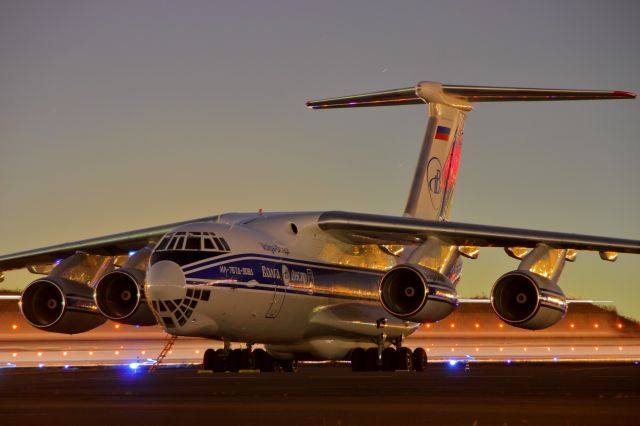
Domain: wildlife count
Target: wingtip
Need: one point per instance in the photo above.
(624, 94)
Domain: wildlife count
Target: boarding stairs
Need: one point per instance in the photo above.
(169, 340)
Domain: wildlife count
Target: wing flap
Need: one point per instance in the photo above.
(358, 228)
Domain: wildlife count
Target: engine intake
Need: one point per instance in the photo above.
(60, 305)
(418, 294)
(119, 296)
(527, 300)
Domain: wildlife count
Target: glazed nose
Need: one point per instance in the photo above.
(165, 281)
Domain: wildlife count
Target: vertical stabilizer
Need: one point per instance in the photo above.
(431, 193)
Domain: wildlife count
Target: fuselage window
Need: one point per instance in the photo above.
(168, 322)
(172, 307)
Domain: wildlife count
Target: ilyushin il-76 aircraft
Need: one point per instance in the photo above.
(327, 285)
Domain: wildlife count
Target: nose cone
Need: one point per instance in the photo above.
(165, 280)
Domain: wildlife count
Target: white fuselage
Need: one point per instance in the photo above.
(274, 279)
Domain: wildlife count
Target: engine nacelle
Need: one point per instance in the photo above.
(527, 300)
(119, 296)
(414, 293)
(60, 305)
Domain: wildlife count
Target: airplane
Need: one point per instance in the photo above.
(327, 285)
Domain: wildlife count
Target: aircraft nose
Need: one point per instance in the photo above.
(165, 281)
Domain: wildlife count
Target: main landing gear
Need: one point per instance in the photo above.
(234, 360)
(388, 359)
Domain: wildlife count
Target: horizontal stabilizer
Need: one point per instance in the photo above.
(410, 96)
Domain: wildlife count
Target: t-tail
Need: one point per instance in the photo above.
(431, 194)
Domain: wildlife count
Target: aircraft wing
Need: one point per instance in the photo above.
(359, 228)
(108, 245)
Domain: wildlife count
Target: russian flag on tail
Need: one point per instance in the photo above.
(442, 133)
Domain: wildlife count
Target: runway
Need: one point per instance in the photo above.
(327, 394)
(110, 351)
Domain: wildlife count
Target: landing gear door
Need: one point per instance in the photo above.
(279, 292)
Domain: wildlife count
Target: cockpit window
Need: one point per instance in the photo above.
(193, 241)
(208, 243)
(179, 243)
(163, 244)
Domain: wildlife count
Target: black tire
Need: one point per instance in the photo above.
(208, 360)
(267, 363)
(219, 362)
(371, 359)
(245, 359)
(419, 359)
(289, 366)
(404, 359)
(258, 358)
(389, 359)
(233, 361)
(358, 359)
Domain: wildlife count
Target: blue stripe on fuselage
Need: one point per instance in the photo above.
(260, 272)
(268, 270)
(219, 259)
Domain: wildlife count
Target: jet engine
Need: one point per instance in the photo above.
(527, 300)
(119, 294)
(418, 294)
(60, 305)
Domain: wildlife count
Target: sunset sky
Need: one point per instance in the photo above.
(117, 115)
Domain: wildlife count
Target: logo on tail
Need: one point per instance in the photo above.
(441, 181)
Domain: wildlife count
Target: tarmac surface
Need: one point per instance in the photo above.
(326, 394)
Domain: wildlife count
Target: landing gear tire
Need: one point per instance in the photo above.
(289, 366)
(389, 359)
(219, 362)
(358, 360)
(258, 358)
(263, 361)
(245, 359)
(233, 360)
(209, 359)
(419, 359)
(403, 359)
(371, 359)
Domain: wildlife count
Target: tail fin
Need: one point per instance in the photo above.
(431, 194)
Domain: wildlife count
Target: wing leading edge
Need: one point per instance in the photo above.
(359, 228)
(108, 245)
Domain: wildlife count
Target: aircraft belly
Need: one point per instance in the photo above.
(241, 315)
